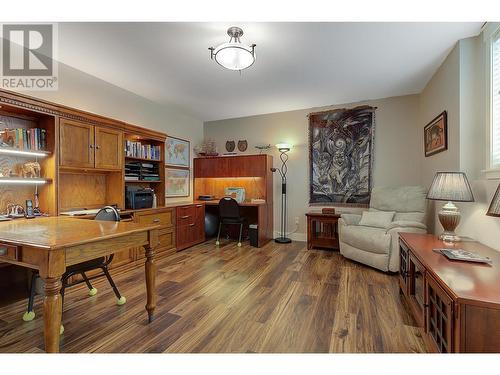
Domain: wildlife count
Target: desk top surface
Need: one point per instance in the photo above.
(466, 280)
(60, 232)
(216, 202)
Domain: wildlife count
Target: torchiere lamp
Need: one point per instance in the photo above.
(283, 148)
(450, 186)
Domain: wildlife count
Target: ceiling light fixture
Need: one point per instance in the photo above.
(234, 55)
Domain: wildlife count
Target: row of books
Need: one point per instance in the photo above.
(136, 171)
(143, 151)
(24, 139)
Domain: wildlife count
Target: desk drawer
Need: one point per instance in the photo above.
(163, 218)
(8, 252)
(185, 215)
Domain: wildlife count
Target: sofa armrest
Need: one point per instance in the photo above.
(350, 219)
(401, 225)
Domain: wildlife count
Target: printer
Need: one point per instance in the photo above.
(137, 197)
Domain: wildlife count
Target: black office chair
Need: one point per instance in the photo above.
(107, 213)
(229, 214)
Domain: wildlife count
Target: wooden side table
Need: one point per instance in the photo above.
(322, 230)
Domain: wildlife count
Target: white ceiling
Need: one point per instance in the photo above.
(299, 65)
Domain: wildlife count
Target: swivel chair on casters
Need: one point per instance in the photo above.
(107, 213)
(229, 213)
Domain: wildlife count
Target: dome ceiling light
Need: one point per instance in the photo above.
(234, 55)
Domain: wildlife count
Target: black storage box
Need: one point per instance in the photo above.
(253, 234)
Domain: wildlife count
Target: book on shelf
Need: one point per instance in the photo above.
(142, 151)
(34, 139)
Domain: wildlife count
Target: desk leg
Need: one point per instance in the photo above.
(150, 282)
(52, 311)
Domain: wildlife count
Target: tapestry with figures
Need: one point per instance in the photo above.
(341, 144)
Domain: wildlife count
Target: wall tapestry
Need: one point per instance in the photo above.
(341, 144)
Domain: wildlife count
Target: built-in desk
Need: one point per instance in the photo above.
(255, 213)
(212, 175)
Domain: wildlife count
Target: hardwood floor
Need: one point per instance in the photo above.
(279, 298)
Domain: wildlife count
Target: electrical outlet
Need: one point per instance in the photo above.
(296, 220)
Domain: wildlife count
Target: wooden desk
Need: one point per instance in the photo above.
(53, 243)
(256, 212)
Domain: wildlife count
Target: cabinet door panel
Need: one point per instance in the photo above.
(403, 267)
(416, 289)
(76, 144)
(439, 316)
(108, 148)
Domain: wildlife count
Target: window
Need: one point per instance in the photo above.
(495, 102)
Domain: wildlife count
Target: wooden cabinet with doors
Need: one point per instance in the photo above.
(76, 144)
(456, 304)
(190, 227)
(83, 145)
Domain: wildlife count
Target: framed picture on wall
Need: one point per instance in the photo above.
(177, 152)
(177, 182)
(436, 135)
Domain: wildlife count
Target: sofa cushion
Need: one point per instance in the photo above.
(377, 219)
(399, 199)
(374, 240)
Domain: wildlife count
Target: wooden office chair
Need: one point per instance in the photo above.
(229, 214)
(107, 213)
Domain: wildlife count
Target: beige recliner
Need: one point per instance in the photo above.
(378, 247)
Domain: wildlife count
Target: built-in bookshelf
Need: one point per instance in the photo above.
(144, 158)
(27, 136)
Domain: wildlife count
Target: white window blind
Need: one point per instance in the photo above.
(495, 102)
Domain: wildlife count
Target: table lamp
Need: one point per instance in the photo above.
(494, 209)
(450, 186)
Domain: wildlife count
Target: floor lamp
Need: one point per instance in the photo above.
(283, 148)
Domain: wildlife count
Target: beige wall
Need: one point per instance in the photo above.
(396, 159)
(459, 86)
(83, 91)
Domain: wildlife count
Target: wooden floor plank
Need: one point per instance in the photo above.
(278, 298)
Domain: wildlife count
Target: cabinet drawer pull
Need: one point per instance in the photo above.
(185, 217)
(199, 205)
(191, 225)
(91, 146)
(97, 147)
(156, 220)
(3, 251)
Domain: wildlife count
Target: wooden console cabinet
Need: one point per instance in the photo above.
(456, 304)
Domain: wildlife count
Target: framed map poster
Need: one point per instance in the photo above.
(177, 153)
(177, 182)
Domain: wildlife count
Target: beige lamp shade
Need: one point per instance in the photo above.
(494, 209)
(450, 186)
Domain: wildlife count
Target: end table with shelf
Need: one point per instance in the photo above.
(322, 230)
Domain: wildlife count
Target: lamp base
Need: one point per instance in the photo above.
(449, 217)
(449, 237)
(282, 240)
